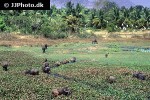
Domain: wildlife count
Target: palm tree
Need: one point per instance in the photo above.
(72, 23)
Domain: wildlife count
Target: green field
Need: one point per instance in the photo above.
(86, 77)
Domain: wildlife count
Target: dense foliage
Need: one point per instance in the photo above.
(74, 19)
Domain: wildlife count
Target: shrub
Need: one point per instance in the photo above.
(61, 35)
(2, 24)
(46, 31)
(110, 27)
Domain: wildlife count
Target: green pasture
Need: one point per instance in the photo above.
(86, 77)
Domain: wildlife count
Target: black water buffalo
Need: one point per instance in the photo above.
(139, 75)
(46, 67)
(32, 72)
(94, 41)
(5, 65)
(44, 47)
(106, 55)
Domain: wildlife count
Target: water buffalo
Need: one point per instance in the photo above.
(106, 55)
(32, 72)
(46, 67)
(139, 75)
(5, 65)
(65, 91)
(73, 59)
(111, 79)
(94, 41)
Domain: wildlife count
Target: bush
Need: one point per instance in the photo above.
(8, 29)
(2, 24)
(110, 27)
(21, 24)
(48, 33)
(61, 35)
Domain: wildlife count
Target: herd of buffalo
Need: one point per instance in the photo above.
(46, 68)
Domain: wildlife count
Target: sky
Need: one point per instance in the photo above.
(89, 3)
(141, 2)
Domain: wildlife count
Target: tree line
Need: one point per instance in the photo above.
(75, 19)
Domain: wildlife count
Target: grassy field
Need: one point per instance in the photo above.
(86, 77)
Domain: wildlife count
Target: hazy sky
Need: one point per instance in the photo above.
(141, 2)
(127, 3)
(137, 2)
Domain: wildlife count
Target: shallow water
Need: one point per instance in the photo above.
(145, 49)
(132, 48)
